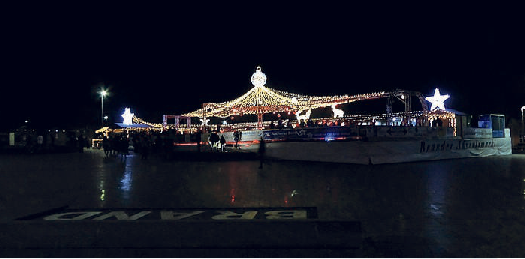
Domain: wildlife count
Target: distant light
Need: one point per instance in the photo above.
(26, 121)
(224, 122)
(105, 117)
(103, 93)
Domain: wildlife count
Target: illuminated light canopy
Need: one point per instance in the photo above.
(261, 99)
(438, 100)
(128, 116)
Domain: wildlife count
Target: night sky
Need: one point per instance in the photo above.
(169, 59)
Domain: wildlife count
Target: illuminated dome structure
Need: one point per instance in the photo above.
(261, 99)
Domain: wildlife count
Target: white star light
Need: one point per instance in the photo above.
(438, 100)
(128, 116)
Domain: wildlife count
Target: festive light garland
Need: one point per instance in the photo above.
(262, 99)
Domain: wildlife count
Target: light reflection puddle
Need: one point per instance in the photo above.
(127, 178)
(436, 209)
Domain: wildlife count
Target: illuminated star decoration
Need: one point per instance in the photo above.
(438, 100)
(128, 116)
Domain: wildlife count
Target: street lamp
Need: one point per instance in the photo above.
(522, 125)
(103, 94)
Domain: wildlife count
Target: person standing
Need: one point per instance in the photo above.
(223, 142)
(199, 139)
(214, 139)
(105, 146)
(262, 151)
(236, 138)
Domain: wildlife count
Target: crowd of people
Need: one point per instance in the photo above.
(146, 143)
(46, 141)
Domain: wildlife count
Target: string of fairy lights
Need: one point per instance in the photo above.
(261, 99)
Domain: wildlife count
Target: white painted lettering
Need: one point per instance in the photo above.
(286, 214)
(232, 215)
(172, 215)
(121, 215)
(66, 216)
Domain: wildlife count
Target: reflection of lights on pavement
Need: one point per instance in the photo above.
(102, 195)
(232, 195)
(126, 181)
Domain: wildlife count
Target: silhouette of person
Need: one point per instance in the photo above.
(262, 151)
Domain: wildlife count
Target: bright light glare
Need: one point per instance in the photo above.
(128, 116)
(103, 93)
(438, 100)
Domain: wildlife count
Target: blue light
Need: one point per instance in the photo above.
(329, 137)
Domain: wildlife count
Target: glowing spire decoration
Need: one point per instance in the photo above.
(128, 116)
(438, 100)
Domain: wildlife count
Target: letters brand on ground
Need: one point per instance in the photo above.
(176, 214)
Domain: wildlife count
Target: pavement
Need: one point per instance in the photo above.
(223, 205)
(44, 194)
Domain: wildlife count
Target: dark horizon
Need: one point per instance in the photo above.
(170, 59)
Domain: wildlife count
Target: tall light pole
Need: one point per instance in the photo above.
(522, 124)
(102, 95)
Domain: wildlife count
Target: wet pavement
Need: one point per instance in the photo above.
(470, 207)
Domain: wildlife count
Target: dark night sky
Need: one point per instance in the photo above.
(169, 59)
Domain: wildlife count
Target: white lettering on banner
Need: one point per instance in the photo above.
(286, 214)
(121, 215)
(172, 215)
(232, 215)
(81, 215)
